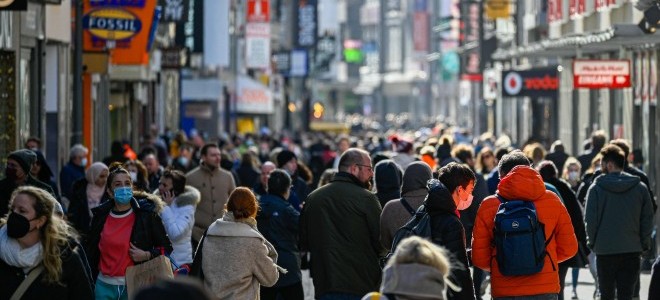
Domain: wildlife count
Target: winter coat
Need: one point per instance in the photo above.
(394, 215)
(619, 215)
(339, 226)
(524, 183)
(7, 187)
(214, 185)
(70, 173)
(178, 220)
(279, 223)
(76, 279)
(576, 211)
(235, 259)
(247, 175)
(148, 233)
(447, 231)
(78, 212)
(388, 176)
(558, 158)
(299, 192)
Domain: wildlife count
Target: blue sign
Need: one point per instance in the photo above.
(131, 3)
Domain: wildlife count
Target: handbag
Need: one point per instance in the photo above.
(25, 284)
(146, 273)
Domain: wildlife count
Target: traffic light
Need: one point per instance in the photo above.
(318, 110)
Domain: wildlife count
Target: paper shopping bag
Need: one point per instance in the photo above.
(144, 274)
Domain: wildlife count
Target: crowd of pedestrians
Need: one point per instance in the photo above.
(248, 216)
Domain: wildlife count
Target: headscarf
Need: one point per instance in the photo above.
(94, 192)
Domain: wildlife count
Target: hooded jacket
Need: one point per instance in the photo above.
(278, 222)
(447, 231)
(524, 183)
(387, 175)
(236, 259)
(619, 215)
(148, 233)
(178, 219)
(413, 189)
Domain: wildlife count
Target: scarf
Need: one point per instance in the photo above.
(93, 191)
(12, 254)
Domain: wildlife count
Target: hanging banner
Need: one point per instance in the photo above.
(491, 84)
(174, 10)
(123, 27)
(530, 83)
(257, 48)
(420, 32)
(253, 97)
(306, 23)
(598, 74)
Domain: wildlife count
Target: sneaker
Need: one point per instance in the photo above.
(574, 295)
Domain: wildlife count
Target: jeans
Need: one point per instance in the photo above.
(339, 296)
(292, 292)
(105, 291)
(617, 272)
(532, 297)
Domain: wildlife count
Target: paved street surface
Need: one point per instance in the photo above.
(585, 289)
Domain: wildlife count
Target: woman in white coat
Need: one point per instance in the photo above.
(179, 214)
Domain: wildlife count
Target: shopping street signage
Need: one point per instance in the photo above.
(112, 23)
(530, 83)
(601, 74)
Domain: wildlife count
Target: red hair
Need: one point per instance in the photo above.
(242, 203)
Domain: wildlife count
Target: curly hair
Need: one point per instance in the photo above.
(55, 234)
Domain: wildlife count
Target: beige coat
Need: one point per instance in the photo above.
(237, 259)
(214, 186)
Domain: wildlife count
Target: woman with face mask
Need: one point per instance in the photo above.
(88, 193)
(139, 175)
(571, 173)
(129, 231)
(40, 257)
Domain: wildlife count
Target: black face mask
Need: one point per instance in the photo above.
(18, 226)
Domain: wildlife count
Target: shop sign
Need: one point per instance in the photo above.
(531, 83)
(253, 97)
(599, 74)
(281, 62)
(258, 11)
(174, 10)
(306, 28)
(125, 27)
(13, 5)
(173, 58)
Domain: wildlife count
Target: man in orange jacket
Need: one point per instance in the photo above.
(521, 182)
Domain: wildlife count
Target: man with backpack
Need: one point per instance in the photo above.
(522, 233)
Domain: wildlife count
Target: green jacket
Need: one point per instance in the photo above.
(618, 215)
(339, 226)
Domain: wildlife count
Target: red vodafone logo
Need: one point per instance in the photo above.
(513, 83)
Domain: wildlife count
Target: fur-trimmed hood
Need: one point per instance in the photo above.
(148, 201)
(190, 196)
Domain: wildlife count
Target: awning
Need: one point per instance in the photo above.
(628, 36)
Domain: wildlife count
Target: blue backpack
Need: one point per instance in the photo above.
(519, 238)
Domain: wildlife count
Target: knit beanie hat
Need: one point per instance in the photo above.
(415, 177)
(284, 157)
(24, 157)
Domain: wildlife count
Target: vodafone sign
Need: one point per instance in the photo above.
(599, 74)
(530, 83)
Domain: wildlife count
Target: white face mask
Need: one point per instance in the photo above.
(465, 204)
(574, 176)
(133, 176)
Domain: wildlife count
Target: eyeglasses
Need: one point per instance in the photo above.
(365, 166)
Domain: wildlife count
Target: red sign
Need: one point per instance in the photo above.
(599, 74)
(601, 4)
(258, 11)
(554, 10)
(576, 8)
(420, 31)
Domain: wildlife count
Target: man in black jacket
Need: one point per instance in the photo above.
(451, 193)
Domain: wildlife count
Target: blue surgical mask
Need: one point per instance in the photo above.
(84, 162)
(123, 194)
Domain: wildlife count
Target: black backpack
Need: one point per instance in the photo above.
(418, 225)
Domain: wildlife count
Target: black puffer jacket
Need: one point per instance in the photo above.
(76, 280)
(447, 231)
(148, 232)
(576, 211)
(78, 212)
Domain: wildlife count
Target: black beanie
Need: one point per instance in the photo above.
(284, 157)
(25, 158)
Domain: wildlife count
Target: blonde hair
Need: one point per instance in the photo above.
(569, 161)
(415, 250)
(55, 234)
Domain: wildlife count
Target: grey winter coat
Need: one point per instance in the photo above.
(619, 215)
(237, 259)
